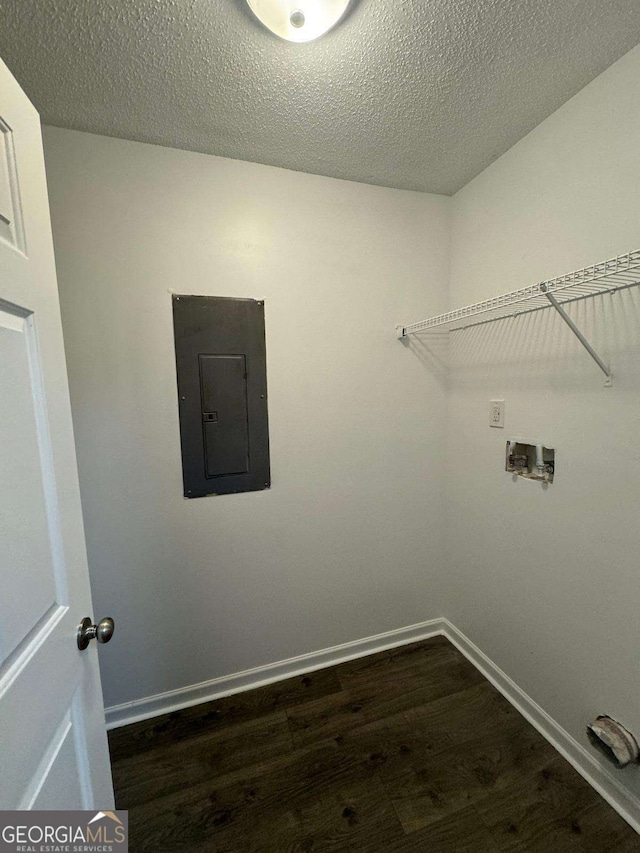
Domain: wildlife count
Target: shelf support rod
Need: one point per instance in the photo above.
(576, 331)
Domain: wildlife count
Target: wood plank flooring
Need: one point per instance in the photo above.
(407, 750)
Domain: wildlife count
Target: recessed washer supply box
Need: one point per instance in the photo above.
(531, 461)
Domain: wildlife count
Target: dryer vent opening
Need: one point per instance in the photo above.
(612, 739)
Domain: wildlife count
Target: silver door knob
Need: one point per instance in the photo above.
(102, 632)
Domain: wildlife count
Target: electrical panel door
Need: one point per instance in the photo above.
(222, 394)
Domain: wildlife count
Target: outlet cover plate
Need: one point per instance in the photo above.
(496, 413)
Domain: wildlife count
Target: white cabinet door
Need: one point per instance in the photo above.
(53, 746)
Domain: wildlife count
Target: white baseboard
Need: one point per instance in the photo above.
(597, 775)
(226, 685)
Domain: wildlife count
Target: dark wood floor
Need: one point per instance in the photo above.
(407, 750)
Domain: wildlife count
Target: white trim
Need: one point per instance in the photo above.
(596, 774)
(226, 685)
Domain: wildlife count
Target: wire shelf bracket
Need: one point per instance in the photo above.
(608, 276)
(608, 382)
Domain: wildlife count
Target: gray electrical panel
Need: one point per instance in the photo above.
(222, 394)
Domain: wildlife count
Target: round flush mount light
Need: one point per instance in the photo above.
(299, 20)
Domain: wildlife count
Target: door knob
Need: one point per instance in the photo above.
(102, 632)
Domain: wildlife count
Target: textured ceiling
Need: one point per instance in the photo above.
(418, 94)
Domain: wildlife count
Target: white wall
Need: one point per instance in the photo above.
(546, 582)
(349, 540)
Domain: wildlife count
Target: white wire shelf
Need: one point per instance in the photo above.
(605, 277)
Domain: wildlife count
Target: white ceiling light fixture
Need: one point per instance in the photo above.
(299, 20)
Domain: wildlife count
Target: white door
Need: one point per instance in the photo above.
(53, 746)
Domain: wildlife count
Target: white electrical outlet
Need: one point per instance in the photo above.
(496, 413)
